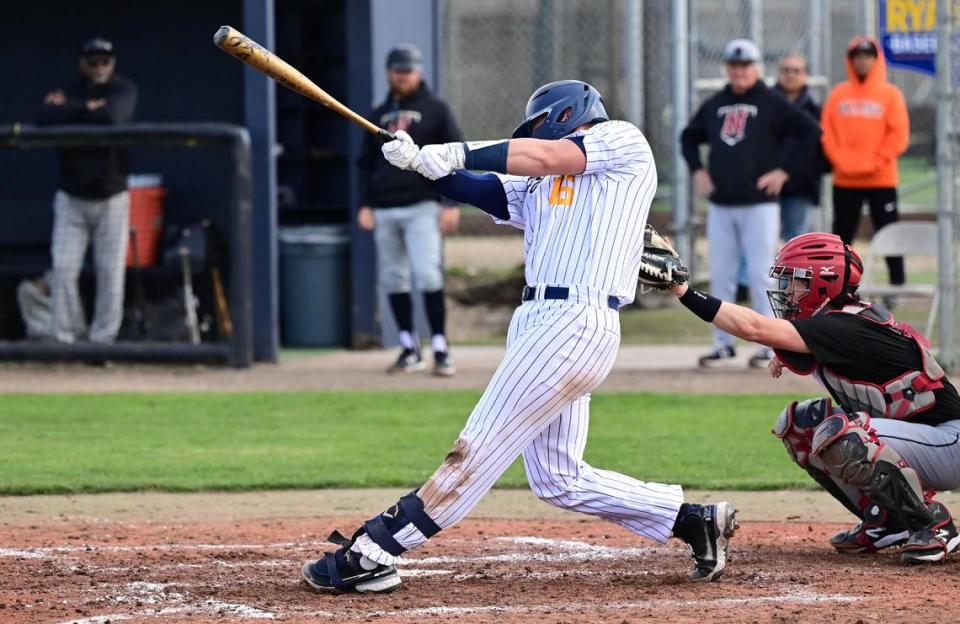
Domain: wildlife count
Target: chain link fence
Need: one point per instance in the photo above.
(495, 53)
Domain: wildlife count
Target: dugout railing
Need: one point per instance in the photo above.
(237, 349)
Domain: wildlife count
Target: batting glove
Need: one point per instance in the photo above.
(401, 152)
(437, 161)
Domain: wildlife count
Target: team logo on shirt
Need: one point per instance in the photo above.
(869, 109)
(735, 118)
(400, 120)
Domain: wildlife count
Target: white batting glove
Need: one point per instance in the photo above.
(437, 161)
(401, 152)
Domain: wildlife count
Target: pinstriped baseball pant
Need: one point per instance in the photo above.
(538, 404)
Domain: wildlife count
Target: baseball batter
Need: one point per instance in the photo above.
(580, 187)
(893, 439)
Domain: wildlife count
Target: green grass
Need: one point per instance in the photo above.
(181, 442)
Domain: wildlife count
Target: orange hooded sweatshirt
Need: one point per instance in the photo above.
(865, 127)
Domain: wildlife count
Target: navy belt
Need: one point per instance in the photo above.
(561, 292)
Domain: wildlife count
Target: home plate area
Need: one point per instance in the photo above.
(96, 571)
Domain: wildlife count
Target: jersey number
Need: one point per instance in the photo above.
(561, 193)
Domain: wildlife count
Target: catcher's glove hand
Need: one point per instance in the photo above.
(660, 264)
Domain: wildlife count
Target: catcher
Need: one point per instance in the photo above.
(580, 186)
(888, 436)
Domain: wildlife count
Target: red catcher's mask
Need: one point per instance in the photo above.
(813, 270)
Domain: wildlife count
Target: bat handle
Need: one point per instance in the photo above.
(386, 136)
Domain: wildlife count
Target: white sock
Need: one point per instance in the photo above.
(406, 340)
(439, 343)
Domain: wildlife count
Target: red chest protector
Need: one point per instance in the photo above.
(899, 398)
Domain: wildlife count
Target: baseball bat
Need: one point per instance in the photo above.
(241, 47)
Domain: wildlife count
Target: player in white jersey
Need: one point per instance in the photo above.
(582, 203)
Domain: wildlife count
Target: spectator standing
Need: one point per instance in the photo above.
(92, 204)
(801, 193)
(747, 127)
(865, 129)
(405, 214)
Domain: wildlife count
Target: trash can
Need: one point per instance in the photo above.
(315, 285)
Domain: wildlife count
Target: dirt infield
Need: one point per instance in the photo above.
(95, 569)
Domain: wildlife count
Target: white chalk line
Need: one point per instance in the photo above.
(44, 551)
(795, 596)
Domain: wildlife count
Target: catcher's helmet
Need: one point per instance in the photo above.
(831, 270)
(552, 101)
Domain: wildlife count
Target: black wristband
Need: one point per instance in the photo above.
(700, 303)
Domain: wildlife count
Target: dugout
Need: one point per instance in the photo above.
(301, 170)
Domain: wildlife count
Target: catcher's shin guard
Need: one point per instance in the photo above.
(796, 424)
(853, 453)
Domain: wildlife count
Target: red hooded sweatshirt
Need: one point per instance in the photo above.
(865, 126)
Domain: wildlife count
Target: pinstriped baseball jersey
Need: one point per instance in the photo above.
(584, 232)
(588, 229)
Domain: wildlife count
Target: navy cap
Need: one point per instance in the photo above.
(97, 45)
(864, 46)
(405, 57)
(741, 51)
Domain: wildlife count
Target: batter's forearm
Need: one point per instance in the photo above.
(538, 157)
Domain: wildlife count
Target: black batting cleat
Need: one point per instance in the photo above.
(707, 531)
(345, 571)
(876, 532)
(932, 544)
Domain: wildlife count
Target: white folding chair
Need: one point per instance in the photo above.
(903, 238)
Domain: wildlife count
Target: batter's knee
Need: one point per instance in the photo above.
(548, 485)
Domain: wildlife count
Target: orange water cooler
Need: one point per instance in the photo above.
(146, 218)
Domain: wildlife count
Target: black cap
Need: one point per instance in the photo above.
(405, 57)
(97, 45)
(864, 46)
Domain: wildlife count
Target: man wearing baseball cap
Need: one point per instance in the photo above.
(865, 129)
(746, 126)
(91, 204)
(405, 213)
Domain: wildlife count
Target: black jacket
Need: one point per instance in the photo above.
(806, 181)
(94, 172)
(748, 135)
(427, 120)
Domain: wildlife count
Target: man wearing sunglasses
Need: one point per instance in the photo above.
(91, 204)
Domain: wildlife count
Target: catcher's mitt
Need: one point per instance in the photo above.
(660, 264)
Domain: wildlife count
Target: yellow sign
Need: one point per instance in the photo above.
(911, 16)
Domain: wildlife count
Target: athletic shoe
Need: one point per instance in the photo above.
(443, 364)
(761, 358)
(933, 544)
(409, 361)
(719, 356)
(711, 526)
(876, 532)
(345, 571)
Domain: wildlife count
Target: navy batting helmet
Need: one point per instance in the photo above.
(552, 100)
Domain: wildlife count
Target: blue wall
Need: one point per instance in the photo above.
(165, 48)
